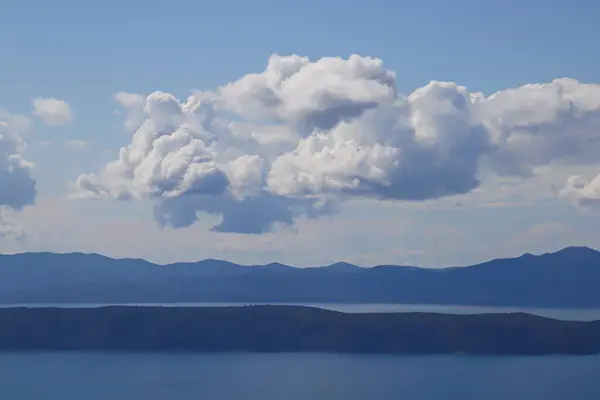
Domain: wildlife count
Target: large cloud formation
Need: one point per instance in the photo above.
(17, 187)
(301, 136)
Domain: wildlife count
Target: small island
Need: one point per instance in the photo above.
(289, 329)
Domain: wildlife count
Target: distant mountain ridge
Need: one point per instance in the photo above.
(567, 278)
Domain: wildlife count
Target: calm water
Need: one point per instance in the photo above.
(79, 376)
(558, 313)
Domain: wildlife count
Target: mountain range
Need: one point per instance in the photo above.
(566, 278)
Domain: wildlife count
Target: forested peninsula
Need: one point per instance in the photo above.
(288, 329)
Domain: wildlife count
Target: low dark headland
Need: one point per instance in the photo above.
(289, 329)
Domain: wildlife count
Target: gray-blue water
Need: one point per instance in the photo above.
(77, 376)
(573, 314)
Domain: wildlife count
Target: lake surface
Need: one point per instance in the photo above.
(586, 314)
(75, 376)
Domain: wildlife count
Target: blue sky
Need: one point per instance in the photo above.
(85, 53)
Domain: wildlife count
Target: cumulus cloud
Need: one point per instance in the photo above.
(301, 136)
(311, 95)
(582, 192)
(52, 111)
(17, 187)
(251, 214)
(134, 104)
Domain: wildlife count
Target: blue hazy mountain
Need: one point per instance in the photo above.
(567, 278)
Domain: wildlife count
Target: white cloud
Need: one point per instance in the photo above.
(52, 111)
(134, 104)
(585, 193)
(302, 136)
(17, 187)
(311, 95)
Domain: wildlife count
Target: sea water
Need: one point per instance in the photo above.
(123, 376)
